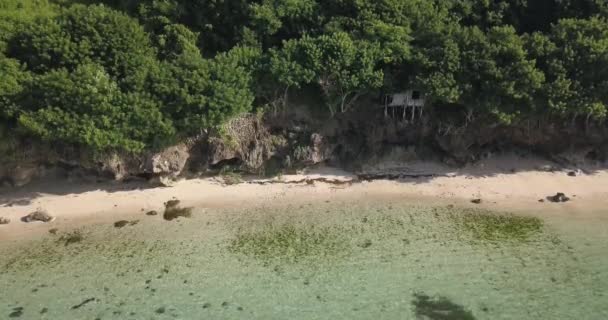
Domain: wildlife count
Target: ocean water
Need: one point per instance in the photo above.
(337, 260)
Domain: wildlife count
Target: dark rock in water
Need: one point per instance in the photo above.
(38, 215)
(152, 213)
(559, 197)
(439, 309)
(476, 201)
(44, 310)
(17, 312)
(160, 310)
(174, 211)
(124, 223)
(121, 223)
(4, 220)
(207, 305)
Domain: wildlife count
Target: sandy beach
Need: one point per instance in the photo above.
(505, 183)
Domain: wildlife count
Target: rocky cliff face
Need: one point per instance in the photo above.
(255, 145)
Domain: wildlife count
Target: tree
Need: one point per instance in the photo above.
(496, 74)
(199, 93)
(87, 108)
(574, 57)
(87, 34)
(344, 69)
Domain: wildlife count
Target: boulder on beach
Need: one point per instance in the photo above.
(38, 215)
(559, 197)
(476, 201)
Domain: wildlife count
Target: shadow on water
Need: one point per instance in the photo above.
(439, 308)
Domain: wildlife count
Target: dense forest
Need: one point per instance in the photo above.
(135, 75)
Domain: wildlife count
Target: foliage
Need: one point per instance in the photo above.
(135, 74)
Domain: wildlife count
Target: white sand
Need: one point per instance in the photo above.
(491, 180)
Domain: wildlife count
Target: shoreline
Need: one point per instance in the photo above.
(492, 181)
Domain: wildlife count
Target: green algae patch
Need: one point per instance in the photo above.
(291, 243)
(488, 226)
(439, 308)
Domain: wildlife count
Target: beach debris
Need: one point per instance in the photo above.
(476, 201)
(38, 215)
(80, 305)
(559, 197)
(4, 220)
(152, 213)
(173, 211)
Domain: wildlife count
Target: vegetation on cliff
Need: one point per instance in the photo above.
(133, 75)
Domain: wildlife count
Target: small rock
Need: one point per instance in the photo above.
(38, 215)
(53, 231)
(476, 201)
(4, 220)
(152, 213)
(541, 200)
(559, 197)
(575, 173)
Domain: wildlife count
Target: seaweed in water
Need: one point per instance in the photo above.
(174, 211)
(290, 243)
(439, 308)
(488, 226)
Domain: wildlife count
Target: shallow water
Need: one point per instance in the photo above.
(324, 261)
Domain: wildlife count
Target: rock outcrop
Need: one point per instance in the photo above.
(245, 142)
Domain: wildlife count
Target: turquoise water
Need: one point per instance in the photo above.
(324, 261)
